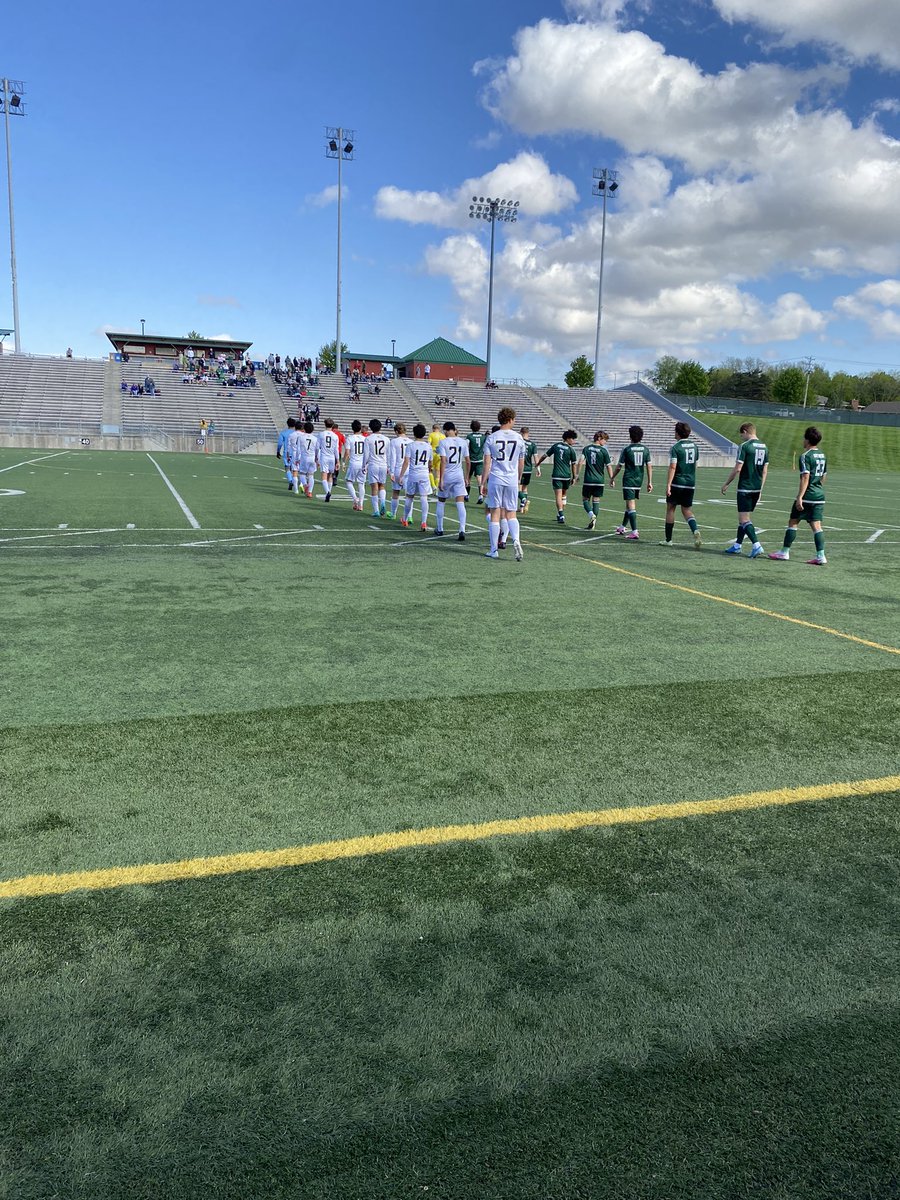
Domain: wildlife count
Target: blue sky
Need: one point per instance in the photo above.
(171, 166)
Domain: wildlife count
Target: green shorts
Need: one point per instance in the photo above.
(631, 493)
(477, 468)
(683, 496)
(747, 501)
(592, 491)
(561, 485)
(810, 510)
(526, 479)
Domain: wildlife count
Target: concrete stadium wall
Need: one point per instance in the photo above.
(176, 443)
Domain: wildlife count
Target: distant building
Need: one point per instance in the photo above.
(161, 345)
(446, 361)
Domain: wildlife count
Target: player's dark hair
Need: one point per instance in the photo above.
(747, 428)
(475, 426)
(292, 424)
(813, 435)
(449, 427)
(569, 433)
(356, 426)
(494, 428)
(505, 415)
(601, 433)
(635, 433)
(308, 427)
(523, 430)
(419, 430)
(400, 429)
(682, 429)
(329, 423)
(375, 425)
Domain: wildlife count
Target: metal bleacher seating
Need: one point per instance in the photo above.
(178, 407)
(476, 402)
(332, 394)
(40, 391)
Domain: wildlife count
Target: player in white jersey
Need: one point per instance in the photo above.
(376, 464)
(308, 457)
(414, 475)
(453, 477)
(356, 471)
(504, 461)
(329, 453)
(397, 454)
(292, 449)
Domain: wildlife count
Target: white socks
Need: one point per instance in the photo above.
(461, 513)
(439, 514)
(514, 528)
(494, 528)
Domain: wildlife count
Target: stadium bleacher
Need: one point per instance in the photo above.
(332, 394)
(43, 390)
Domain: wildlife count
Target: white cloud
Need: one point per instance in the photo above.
(877, 305)
(327, 196)
(864, 29)
(221, 337)
(526, 178)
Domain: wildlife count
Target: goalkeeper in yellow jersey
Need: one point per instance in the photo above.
(434, 438)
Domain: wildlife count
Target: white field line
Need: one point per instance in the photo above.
(250, 537)
(192, 520)
(29, 461)
(875, 536)
(36, 537)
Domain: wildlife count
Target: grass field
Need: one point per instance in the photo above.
(848, 447)
(208, 671)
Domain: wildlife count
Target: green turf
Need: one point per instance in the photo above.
(699, 1008)
(848, 447)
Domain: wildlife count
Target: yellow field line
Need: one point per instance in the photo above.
(680, 587)
(384, 843)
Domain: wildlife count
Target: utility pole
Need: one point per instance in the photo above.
(339, 145)
(810, 363)
(12, 106)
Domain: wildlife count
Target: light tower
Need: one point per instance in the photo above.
(606, 183)
(339, 144)
(483, 208)
(11, 103)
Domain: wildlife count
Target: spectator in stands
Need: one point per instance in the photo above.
(69, 352)
(377, 390)
(428, 370)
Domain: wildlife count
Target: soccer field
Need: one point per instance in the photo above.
(276, 922)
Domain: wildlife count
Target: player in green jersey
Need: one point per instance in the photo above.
(634, 460)
(530, 452)
(753, 466)
(681, 482)
(476, 440)
(596, 466)
(565, 469)
(810, 502)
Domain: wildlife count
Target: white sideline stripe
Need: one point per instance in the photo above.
(875, 536)
(192, 520)
(36, 537)
(250, 537)
(29, 461)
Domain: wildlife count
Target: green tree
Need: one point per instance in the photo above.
(690, 380)
(327, 354)
(580, 373)
(194, 336)
(664, 371)
(788, 386)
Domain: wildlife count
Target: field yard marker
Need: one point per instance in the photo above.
(680, 587)
(386, 843)
(62, 527)
(130, 526)
(28, 462)
(192, 520)
(875, 536)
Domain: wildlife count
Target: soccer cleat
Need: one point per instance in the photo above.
(664, 543)
(382, 511)
(517, 546)
(501, 543)
(327, 497)
(391, 517)
(424, 527)
(735, 549)
(634, 536)
(460, 537)
(527, 506)
(756, 551)
(480, 500)
(492, 554)
(404, 522)
(560, 518)
(620, 530)
(780, 556)
(437, 532)
(819, 561)
(698, 540)
(592, 521)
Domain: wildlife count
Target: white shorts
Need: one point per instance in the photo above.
(502, 495)
(454, 485)
(356, 472)
(307, 466)
(327, 464)
(377, 472)
(418, 485)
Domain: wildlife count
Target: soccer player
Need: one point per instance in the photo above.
(416, 474)
(307, 458)
(596, 467)
(810, 502)
(453, 483)
(375, 459)
(354, 450)
(396, 454)
(281, 450)
(634, 460)
(565, 469)
(752, 466)
(681, 482)
(504, 459)
(476, 440)
(329, 449)
(527, 469)
(292, 455)
(434, 440)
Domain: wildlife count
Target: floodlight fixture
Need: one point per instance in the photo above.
(606, 183)
(486, 208)
(11, 105)
(339, 144)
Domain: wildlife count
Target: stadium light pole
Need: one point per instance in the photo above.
(339, 143)
(483, 208)
(13, 90)
(606, 183)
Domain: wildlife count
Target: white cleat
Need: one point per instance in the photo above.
(517, 546)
